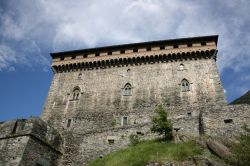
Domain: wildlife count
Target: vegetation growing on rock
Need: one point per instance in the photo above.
(149, 151)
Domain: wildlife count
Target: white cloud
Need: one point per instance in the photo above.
(63, 25)
(7, 57)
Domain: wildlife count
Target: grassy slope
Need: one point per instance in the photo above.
(147, 151)
(245, 99)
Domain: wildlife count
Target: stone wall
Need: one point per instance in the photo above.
(102, 91)
(29, 142)
(226, 122)
(101, 103)
(111, 92)
(82, 147)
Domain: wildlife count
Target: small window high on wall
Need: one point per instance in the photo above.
(185, 85)
(80, 76)
(127, 90)
(76, 93)
(181, 67)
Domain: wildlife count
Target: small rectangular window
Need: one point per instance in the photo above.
(122, 51)
(189, 114)
(97, 54)
(124, 121)
(228, 121)
(111, 141)
(109, 53)
(73, 57)
(139, 133)
(189, 44)
(85, 55)
(69, 123)
(176, 46)
(62, 58)
(148, 48)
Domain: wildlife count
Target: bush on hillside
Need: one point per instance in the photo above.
(161, 124)
(134, 139)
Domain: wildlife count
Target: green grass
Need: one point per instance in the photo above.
(147, 151)
(241, 151)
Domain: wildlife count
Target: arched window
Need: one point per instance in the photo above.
(127, 90)
(80, 76)
(76, 93)
(185, 85)
(181, 67)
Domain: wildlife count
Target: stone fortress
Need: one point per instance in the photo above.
(100, 96)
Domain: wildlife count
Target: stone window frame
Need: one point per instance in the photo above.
(79, 77)
(185, 85)
(127, 90)
(111, 140)
(181, 67)
(122, 121)
(76, 93)
(228, 121)
(69, 123)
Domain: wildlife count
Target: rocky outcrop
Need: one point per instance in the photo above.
(218, 148)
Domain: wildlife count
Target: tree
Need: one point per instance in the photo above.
(161, 124)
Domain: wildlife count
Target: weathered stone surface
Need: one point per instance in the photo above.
(218, 148)
(29, 142)
(226, 122)
(93, 113)
(155, 76)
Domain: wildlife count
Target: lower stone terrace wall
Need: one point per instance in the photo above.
(226, 122)
(79, 148)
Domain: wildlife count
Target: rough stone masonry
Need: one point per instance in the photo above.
(100, 96)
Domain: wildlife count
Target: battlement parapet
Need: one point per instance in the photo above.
(135, 53)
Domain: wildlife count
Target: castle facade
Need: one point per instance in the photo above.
(100, 96)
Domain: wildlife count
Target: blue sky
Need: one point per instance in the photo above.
(31, 29)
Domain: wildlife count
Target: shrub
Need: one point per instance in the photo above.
(134, 139)
(161, 124)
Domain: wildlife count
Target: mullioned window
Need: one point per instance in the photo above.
(76, 93)
(127, 90)
(185, 85)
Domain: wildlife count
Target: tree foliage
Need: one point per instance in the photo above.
(161, 124)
